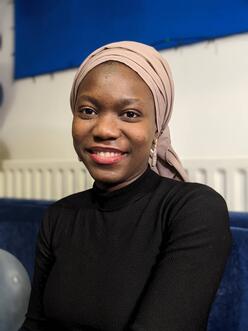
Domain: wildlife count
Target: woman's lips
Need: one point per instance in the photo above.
(106, 157)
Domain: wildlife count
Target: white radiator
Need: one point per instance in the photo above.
(53, 179)
(229, 177)
(42, 179)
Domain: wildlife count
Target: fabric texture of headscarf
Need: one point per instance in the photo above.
(155, 72)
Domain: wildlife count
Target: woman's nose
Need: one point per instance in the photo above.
(106, 127)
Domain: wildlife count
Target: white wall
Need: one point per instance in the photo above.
(210, 114)
(211, 105)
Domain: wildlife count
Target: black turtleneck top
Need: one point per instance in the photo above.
(146, 257)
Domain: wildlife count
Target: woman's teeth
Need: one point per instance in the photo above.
(106, 157)
(107, 154)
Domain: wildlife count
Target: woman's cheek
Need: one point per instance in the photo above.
(143, 138)
(79, 129)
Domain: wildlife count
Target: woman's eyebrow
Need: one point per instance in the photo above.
(125, 101)
(85, 97)
(128, 101)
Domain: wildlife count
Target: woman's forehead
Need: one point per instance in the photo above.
(120, 72)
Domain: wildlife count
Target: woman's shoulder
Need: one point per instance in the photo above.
(188, 191)
(72, 202)
(63, 211)
(193, 200)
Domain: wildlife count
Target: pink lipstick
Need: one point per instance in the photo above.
(106, 155)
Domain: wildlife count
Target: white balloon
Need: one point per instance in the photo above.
(14, 292)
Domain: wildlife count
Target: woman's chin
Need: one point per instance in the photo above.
(106, 177)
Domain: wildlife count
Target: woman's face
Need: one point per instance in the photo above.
(113, 124)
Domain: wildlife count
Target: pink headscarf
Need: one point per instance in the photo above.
(155, 71)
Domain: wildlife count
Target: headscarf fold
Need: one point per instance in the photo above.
(155, 71)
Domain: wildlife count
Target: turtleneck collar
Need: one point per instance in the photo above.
(105, 200)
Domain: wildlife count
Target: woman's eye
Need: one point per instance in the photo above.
(88, 112)
(131, 114)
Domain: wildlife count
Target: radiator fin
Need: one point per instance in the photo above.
(54, 179)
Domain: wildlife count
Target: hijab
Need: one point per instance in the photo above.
(155, 72)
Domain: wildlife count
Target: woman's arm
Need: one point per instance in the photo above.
(186, 277)
(35, 319)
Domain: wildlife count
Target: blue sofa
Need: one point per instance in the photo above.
(19, 224)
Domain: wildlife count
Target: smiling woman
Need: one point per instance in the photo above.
(143, 249)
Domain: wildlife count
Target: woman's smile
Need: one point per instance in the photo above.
(108, 156)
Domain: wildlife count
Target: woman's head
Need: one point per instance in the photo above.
(126, 78)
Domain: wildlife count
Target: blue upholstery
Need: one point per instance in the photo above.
(19, 224)
(230, 309)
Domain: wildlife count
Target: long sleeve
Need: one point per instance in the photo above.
(184, 281)
(35, 319)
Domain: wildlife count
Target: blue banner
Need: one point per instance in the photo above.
(52, 35)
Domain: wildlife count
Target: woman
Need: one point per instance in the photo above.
(143, 250)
